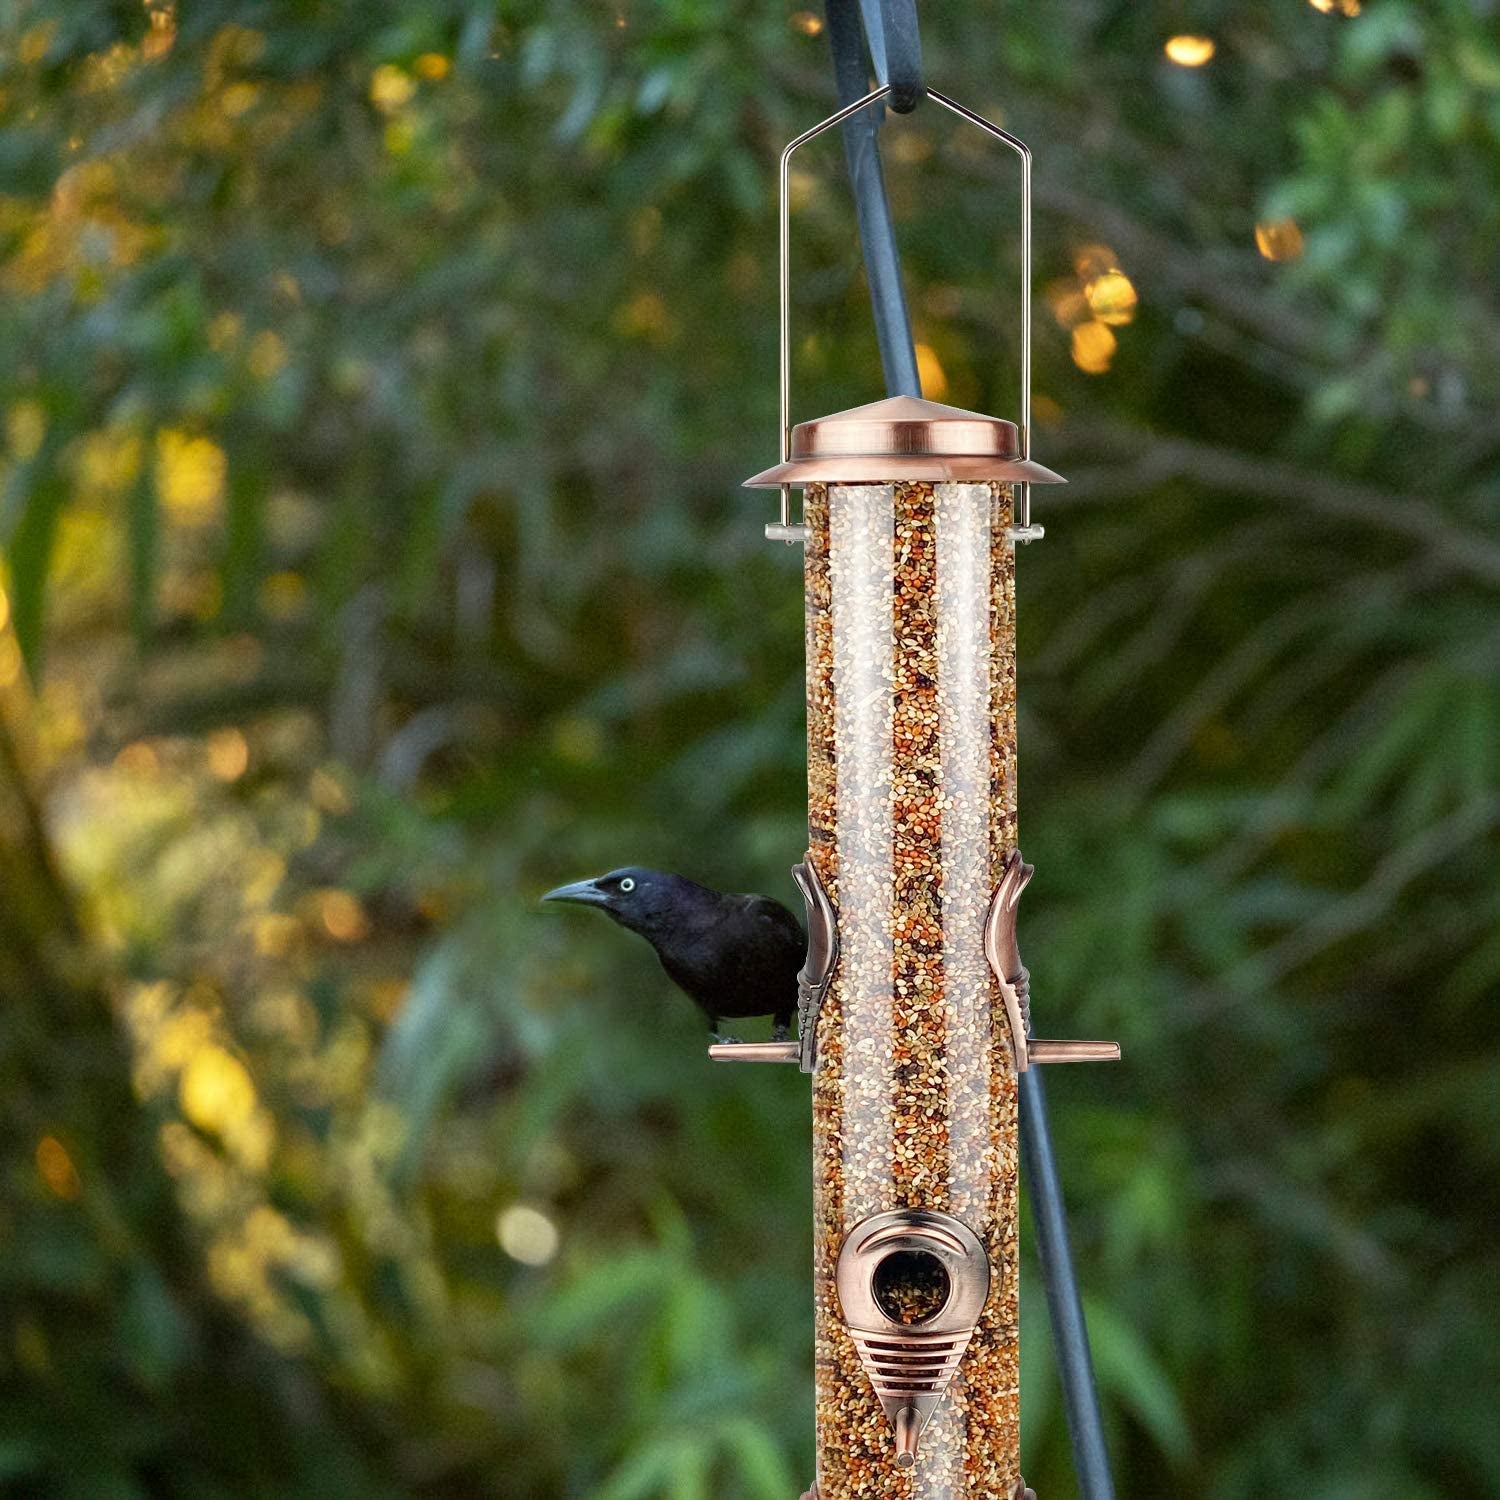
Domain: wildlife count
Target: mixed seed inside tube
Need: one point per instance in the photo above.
(911, 775)
(911, 1287)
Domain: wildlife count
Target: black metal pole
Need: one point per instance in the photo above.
(1070, 1335)
(1070, 1338)
(877, 235)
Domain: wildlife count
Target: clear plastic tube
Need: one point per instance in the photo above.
(911, 755)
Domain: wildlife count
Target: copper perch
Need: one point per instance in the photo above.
(822, 958)
(782, 1052)
(1004, 954)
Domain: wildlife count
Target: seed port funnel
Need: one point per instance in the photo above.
(911, 1286)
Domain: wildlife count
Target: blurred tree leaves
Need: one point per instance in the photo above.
(377, 388)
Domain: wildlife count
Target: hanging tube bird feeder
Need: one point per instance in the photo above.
(915, 1012)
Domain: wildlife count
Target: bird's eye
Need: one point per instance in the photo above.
(628, 884)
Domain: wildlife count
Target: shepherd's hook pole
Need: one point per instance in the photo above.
(895, 48)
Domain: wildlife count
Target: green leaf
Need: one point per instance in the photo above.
(758, 1460)
(28, 552)
(647, 1472)
(1130, 1376)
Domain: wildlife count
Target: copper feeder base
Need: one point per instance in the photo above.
(1019, 1493)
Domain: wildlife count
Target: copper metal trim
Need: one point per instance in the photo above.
(910, 1366)
(822, 958)
(904, 438)
(1004, 954)
(1066, 1052)
(876, 468)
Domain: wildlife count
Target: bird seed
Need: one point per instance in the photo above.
(912, 810)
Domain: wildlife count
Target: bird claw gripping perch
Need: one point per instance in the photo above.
(1004, 955)
(822, 958)
(813, 980)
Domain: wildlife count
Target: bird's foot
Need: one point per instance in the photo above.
(781, 1033)
(726, 1041)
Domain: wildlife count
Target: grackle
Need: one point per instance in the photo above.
(734, 956)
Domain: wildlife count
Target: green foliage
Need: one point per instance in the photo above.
(377, 384)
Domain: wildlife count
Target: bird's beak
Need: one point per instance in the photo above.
(580, 893)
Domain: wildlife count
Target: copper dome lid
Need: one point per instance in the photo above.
(904, 438)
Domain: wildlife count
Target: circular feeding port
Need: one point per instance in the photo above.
(911, 1286)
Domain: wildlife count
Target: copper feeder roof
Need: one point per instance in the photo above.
(904, 438)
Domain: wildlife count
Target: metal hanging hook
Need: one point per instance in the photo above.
(785, 530)
(1023, 530)
(895, 44)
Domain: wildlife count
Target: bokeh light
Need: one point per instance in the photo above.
(1280, 239)
(343, 916)
(1100, 298)
(1190, 51)
(391, 87)
(228, 754)
(216, 1090)
(56, 1169)
(1093, 347)
(190, 476)
(527, 1235)
(933, 376)
(1112, 298)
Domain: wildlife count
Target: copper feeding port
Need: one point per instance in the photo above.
(911, 1285)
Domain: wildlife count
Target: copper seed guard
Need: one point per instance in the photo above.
(911, 1360)
(914, 1013)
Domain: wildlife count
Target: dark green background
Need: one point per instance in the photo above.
(378, 380)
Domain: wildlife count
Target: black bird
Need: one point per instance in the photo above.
(734, 956)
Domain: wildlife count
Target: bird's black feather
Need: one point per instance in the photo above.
(734, 956)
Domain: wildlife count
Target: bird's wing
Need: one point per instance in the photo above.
(775, 918)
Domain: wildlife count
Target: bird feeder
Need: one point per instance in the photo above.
(915, 1020)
